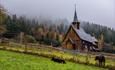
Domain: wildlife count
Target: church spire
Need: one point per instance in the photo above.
(75, 22)
(75, 16)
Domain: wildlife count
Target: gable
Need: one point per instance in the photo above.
(71, 33)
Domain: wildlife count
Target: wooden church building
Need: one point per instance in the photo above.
(77, 39)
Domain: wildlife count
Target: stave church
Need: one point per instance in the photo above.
(77, 39)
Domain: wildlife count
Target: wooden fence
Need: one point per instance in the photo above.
(48, 51)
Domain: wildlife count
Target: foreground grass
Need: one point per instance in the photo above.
(17, 61)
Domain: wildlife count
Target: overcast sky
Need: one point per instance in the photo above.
(98, 11)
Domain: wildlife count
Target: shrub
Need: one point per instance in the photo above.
(30, 39)
(108, 50)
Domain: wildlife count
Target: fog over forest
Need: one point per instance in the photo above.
(97, 11)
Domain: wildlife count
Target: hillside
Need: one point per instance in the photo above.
(14, 61)
(46, 30)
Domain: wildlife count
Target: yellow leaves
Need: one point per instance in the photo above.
(2, 29)
(2, 18)
(2, 15)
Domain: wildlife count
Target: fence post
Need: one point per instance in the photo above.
(25, 48)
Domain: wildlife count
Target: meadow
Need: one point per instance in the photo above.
(49, 52)
(20, 61)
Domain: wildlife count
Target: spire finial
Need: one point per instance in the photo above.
(75, 6)
(75, 15)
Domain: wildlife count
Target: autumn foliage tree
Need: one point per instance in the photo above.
(3, 16)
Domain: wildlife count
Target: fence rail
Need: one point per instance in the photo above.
(48, 51)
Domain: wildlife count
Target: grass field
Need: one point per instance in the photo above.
(20, 61)
(44, 50)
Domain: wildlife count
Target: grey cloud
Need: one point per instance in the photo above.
(98, 11)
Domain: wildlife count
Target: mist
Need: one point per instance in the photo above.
(95, 11)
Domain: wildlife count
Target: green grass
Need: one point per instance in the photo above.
(19, 61)
(49, 52)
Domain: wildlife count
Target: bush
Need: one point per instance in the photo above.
(46, 41)
(108, 50)
(55, 43)
(30, 39)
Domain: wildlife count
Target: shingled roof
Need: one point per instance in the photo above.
(83, 35)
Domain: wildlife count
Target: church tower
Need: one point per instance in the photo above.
(75, 22)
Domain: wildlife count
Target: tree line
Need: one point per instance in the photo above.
(46, 30)
(35, 30)
(98, 30)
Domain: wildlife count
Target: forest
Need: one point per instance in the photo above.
(45, 30)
